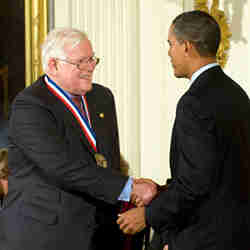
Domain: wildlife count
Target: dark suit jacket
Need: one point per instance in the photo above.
(57, 194)
(206, 205)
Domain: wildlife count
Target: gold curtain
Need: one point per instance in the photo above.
(36, 28)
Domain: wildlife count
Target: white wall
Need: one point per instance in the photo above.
(130, 37)
(160, 90)
(239, 53)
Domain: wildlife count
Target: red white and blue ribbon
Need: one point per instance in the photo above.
(86, 109)
(83, 121)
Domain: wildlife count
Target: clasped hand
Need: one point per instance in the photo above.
(143, 191)
(133, 221)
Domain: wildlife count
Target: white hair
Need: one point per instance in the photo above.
(54, 44)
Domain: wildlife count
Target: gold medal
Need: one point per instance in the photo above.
(101, 161)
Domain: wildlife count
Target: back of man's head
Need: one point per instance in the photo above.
(200, 29)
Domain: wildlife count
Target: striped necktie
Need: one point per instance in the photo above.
(78, 102)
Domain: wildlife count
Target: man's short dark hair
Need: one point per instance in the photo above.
(200, 29)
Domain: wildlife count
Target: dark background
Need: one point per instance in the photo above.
(12, 45)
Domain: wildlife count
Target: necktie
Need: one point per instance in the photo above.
(78, 102)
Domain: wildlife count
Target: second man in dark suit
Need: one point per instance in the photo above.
(207, 202)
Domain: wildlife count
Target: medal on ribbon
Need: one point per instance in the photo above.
(100, 160)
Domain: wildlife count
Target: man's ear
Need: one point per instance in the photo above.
(190, 49)
(52, 66)
(188, 46)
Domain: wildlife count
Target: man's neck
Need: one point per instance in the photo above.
(199, 63)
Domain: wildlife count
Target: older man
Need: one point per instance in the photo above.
(64, 159)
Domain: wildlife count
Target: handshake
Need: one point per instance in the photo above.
(143, 192)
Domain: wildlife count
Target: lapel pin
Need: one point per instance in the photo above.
(101, 115)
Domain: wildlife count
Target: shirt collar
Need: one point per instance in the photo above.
(201, 70)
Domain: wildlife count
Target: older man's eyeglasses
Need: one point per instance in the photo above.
(83, 63)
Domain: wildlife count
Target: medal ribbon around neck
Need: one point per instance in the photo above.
(86, 109)
(83, 122)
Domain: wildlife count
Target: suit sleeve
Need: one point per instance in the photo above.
(34, 131)
(194, 170)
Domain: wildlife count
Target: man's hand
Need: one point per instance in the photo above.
(132, 221)
(144, 190)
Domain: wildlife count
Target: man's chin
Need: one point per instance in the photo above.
(88, 86)
(177, 75)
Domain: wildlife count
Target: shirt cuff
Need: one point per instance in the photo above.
(126, 192)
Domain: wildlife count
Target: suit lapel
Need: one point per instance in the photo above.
(75, 125)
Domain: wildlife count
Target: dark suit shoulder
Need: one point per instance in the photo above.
(100, 90)
(37, 93)
(217, 92)
(38, 101)
(194, 115)
(215, 82)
